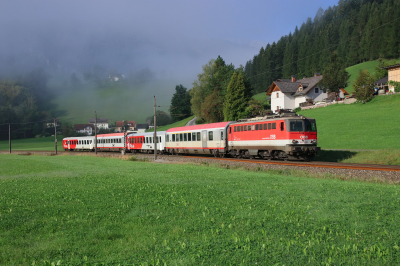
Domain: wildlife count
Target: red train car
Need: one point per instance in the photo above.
(286, 136)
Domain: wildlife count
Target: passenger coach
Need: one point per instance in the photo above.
(198, 139)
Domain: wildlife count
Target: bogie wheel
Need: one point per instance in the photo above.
(222, 155)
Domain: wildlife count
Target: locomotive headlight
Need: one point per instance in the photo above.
(294, 141)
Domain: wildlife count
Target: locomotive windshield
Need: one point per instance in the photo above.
(302, 125)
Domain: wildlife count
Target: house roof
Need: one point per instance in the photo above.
(344, 92)
(389, 67)
(142, 126)
(83, 126)
(382, 80)
(131, 123)
(99, 120)
(288, 87)
(119, 124)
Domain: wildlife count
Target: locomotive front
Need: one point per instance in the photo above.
(302, 136)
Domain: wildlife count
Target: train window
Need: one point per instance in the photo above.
(249, 127)
(222, 134)
(194, 136)
(198, 136)
(173, 137)
(184, 136)
(273, 125)
(260, 127)
(253, 127)
(181, 137)
(167, 139)
(296, 125)
(245, 128)
(257, 127)
(265, 126)
(282, 126)
(189, 136)
(234, 129)
(230, 130)
(241, 128)
(269, 126)
(159, 139)
(310, 125)
(147, 140)
(210, 135)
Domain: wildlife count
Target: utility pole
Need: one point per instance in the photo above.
(95, 132)
(55, 134)
(155, 130)
(9, 136)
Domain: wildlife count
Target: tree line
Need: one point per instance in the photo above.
(359, 30)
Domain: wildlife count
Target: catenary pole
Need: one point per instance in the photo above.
(95, 132)
(155, 130)
(55, 134)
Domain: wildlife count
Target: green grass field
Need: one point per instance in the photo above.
(33, 144)
(371, 126)
(260, 96)
(73, 210)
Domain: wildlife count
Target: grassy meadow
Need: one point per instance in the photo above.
(371, 126)
(75, 210)
(33, 144)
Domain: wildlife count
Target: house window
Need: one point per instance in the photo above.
(316, 90)
(277, 95)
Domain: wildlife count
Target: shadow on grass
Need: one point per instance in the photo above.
(334, 156)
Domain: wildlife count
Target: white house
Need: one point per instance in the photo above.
(84, 128)
(290, 93)
(101, 122)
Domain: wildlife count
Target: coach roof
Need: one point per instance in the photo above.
(199, 127)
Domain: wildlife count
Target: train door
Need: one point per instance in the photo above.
(222, 139)
(204, 139)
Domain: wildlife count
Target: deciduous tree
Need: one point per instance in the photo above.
(364, 86)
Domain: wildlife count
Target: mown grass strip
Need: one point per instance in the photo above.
(77, 209)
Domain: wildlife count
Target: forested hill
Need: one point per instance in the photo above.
(359, 30)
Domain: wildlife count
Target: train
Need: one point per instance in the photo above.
(286, 136)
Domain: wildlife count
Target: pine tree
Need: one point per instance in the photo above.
(237, 98)
(335, 75)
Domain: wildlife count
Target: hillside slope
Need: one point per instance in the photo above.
(115, 102)
(374, 125)
(370, 66)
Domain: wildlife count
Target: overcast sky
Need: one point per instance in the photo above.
(173, 38)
